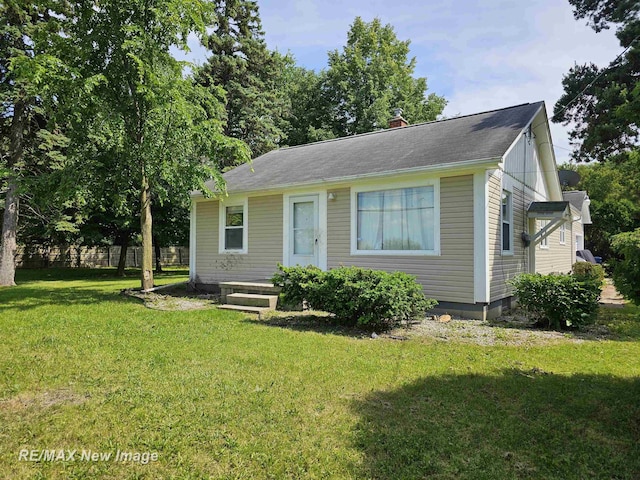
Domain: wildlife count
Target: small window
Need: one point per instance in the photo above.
(233, 228)
(563, 231)
(234, 225)
(507, 222)
(544, 243)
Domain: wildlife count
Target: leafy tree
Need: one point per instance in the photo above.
(371, 76)
(614, 191)
(161, 129)
(30, 74)
(603, 103)
(241, 64)
(309, 115)
(626, 271)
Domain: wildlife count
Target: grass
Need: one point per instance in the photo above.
(219, 395)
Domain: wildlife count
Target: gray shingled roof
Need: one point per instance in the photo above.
(473, 137)
(549, 208)
(575, 198)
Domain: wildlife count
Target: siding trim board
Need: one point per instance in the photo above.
(480, 237)
(192, 242)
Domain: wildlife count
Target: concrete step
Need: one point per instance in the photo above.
(261, 288)
(243, 308)
(253, 300)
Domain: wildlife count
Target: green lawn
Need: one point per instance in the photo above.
(219, 395)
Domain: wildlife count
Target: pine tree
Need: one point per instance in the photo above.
(242, 65)
(602, 104)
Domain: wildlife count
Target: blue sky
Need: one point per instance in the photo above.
(479, 55)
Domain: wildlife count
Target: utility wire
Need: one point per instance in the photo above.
(598, 76)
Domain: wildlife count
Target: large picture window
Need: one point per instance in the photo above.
(396, 220)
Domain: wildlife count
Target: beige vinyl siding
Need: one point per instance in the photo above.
(502, 268)
(557, 258)
(264, 244)
(447, 277)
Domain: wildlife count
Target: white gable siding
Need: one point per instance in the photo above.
(523, 164)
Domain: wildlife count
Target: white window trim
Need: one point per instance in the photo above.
(509, 252)
(544, 243)
(434, 182)
(239, 202)
(563, 234)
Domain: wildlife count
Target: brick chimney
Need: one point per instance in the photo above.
(397, 121)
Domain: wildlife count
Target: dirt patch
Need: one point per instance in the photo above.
(63, 396)
(512, 330)
(610, 297)
(172, 301)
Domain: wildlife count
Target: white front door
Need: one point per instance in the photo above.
(303, 235)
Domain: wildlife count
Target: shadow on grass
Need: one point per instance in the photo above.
(94, 274)
(26, 295)
(518, 424)
(309, 322)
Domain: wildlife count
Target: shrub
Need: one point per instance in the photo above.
(558, 301)
(626, 272)
(356, 296)
(297, 283)
(588, 272)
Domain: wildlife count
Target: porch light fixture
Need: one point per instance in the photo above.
(331, 196)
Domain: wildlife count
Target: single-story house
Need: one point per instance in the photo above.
(464, 204)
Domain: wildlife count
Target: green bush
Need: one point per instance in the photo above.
(356, 296)
(558, 301)
(588, 272)
(297, 283)
(626, 272)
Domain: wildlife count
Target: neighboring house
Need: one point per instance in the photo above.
(579, 201)
(454, 202)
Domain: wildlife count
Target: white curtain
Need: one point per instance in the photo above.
(401, 219)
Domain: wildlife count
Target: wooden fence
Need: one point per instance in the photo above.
(75, 256)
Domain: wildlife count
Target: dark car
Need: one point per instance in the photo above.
(587, 256)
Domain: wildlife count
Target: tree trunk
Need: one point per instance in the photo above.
(9, 227)
(146, 222)
(8, 244)
(122, 261)
(158, 252)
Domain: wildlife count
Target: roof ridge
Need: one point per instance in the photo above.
(383, 130)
